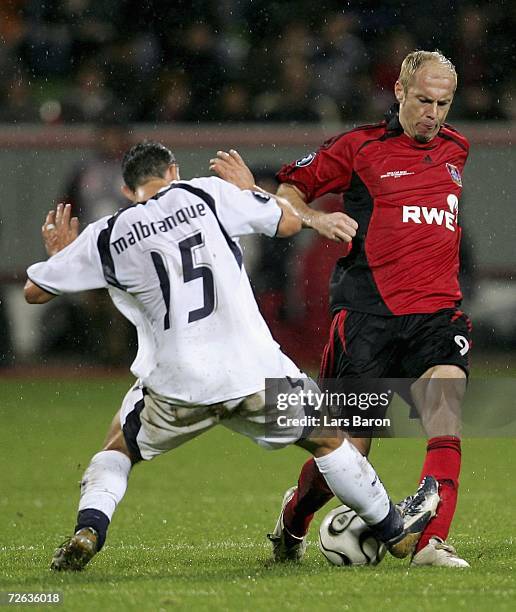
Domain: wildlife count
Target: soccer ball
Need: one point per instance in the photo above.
(345, 539)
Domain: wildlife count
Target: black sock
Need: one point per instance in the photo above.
(390, 527)
(96, 519)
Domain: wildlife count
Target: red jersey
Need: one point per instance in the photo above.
(404, 197)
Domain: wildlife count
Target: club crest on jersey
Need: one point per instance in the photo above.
(305, 161)
(455, 174)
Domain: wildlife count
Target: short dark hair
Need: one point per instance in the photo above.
(145, 161)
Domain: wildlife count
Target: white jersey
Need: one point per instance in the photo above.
(173, 267)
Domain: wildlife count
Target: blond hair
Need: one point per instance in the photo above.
(413, 62)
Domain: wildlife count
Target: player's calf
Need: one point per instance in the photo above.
(102, 487)
(353, 479)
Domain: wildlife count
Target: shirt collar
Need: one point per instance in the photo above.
(392, 118)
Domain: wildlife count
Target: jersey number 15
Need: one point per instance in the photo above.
(190, 273)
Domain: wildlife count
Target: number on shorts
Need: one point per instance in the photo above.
(462, 343)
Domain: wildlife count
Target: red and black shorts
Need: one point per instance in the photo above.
(363, 345)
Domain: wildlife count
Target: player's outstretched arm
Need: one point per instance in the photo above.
(232, 168)
(336, 226)
(36, 295)
(59, 230)
(290, 222)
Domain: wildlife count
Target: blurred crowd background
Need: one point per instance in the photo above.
(65, 61)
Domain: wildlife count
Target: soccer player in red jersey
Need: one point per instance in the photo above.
(394, 296)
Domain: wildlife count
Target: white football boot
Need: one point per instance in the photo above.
(438, 554)
(285, 546)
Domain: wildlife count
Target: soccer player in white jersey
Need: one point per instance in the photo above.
(172, 265)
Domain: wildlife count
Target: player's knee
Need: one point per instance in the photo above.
(363, 445)
(445, 371)
(439, 387)
(116, 442)
(320, 446)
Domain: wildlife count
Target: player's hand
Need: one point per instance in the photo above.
(232, 168)
(59, 230)
(336, 226)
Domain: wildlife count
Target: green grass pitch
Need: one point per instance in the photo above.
(189, 535)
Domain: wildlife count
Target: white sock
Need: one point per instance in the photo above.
(354, 481)
(104, 482)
